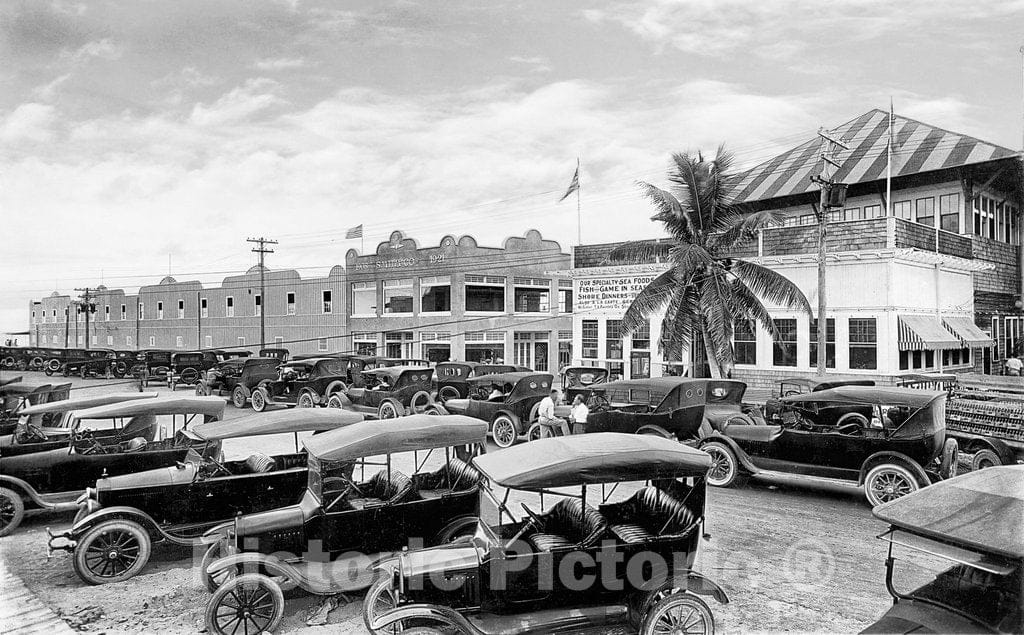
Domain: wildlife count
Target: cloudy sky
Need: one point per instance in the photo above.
(136, 132)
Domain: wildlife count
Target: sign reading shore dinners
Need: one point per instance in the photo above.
(613, 293)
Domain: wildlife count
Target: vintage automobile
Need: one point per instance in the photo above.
(150, 365)
(223, 356)
(837, 414)
(122, 363)
(280, 353)
(390, 392)
(577, 380)
(306, 383)
(238, 377)
(509, 416)
(18, 396)
(452, 378)
(903, 448)
(673, 407)
(188, 368)
(119, 520)
(332, 539)
(16, 357)
(648, 498)
(956, 556)
(47, 426)
(4, 381)
(95, 362)
(53, 479)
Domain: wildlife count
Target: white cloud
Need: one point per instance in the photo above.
(252, 98)
(280, 64)
(48, 91)
(28, 123)
(537, 64)
(105, 49)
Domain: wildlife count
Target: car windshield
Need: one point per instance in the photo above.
(959, 580)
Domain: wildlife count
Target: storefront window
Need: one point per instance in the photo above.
(784, 344)
(364, 298)
(642, 337)
(613, 339)
(399, 343)
(364, 343)
(863, 344)
(532, 295)
(485, 293)
(436, 294)
(398, 296)
(639, 365)
(745, 338)
(830, 343)
(589, 328)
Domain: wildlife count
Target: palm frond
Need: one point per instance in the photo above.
(739, 229)
(747, 306)
(650, 300)
(669, 211)
(718, 321)
(770, 285)
(639, 252)
(680, 323)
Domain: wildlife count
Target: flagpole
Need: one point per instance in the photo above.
(888, 165)
(579, 216)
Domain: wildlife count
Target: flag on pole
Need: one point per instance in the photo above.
(355, 232)
(574, 186)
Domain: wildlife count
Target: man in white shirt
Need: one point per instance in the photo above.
(547, 419)
(1014, 366)
(578, 414)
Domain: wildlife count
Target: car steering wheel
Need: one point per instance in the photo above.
(33, 434)
(599, 402)
(533, 516)
(850, 429)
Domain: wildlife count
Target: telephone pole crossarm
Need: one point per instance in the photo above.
(262, 251)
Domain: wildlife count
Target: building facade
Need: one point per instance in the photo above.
(933, 285)
(456, 300)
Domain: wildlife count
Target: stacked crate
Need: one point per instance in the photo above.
(982, 415)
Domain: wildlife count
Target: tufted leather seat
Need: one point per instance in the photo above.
(569, 523)
(651, 513)
(259, 463)
(455, 476)
(396, 490)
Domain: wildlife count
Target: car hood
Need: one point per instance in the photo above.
(448, 558)
(164, 476)
(274, 520)
(457, 406)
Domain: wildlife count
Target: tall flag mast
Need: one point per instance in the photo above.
(888, 163)
(574, 186)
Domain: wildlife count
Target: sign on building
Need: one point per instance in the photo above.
(611, 293)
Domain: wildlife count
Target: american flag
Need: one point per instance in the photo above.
(574, 186)
(355, 232)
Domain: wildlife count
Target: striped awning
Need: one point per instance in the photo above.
(924, 333)
(967, 332)
(917, 148)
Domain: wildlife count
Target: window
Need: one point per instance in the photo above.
(852, 213)
(398, 343)
(181, 309)
(204, 310)
(207, 341)
(590, 339)
(639, 365)
(949, 212)
(613, 339)
(55, 313)
(290, 304)
(564, 348)
(436, 294)
(924, 209)
(229, 309)
(152, 340)
(142, 310)
(321, 344)
(745, 337)
(159, 310)
(485, 293)
(873, 211)
(278, 341)
(241, 341)
(106, 313)
(364, 298)
(398, 296)
(784, 344)
(127, 340)
(258, 305)
(642, 336)
(92, 340)
(902, 209)
(565, 296)
(326, 297)
(531, 295)
(110, 340)
(179, 342)
(364, 343)
(863, 344)
(830, 344)
(55, 339)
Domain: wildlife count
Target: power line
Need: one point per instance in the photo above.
(262, 251)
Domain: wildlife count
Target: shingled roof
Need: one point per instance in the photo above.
(918, 148)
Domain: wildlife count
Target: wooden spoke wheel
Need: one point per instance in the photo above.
(248, 604)
(112, 551)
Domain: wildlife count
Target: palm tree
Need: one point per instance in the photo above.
(705, 290)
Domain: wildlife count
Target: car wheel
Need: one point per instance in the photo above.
(112, 551)
(887, 482)
(12, 510)
(250, 603)
(535, 432)
(984, 458)
(238, 397)
(724, 468)
(213, 554)
(435, 409)
(259, 400)
(8, 362)
(336, 401)
(950, 460)
(446, 393)
(419, 401)
(679, 613)
(504, 431)
(83, 372)
(305, 401)
(381, 598)
(200, 390)
(48, 371)
(388, 410)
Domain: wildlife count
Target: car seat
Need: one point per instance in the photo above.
(138, 444)
(650, 513)
(569, 523)
(455, 476)
(397, 489)
(259, 463)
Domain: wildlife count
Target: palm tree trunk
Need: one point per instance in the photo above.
(713, 364)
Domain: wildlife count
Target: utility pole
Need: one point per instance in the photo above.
(832, 195)
(88, 307)
(262, 251)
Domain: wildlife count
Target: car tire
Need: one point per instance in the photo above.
(725, 467)
(12, 510)
(213, 554)
(887, 482)
(419, 401)
(8, 362)
(238, 397)
(446, 393)
(388, 409)
(48, 372)
(200, 390)
(504, 431)
(949, 461)
(535, 432)
(436, 410)
(679, 610)
(337, 400)
(94, 561)
(380, 599)
(305, 400)
(983, 459)
(259, 400)
(259, 596)
(53, 365)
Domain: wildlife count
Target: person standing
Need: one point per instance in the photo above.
(547, 419)
(1013, 366)
(578, 414)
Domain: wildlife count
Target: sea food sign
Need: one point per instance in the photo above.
(611, 293)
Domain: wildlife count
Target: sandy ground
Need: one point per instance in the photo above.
(793, 554)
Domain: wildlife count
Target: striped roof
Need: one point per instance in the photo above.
(917, 148)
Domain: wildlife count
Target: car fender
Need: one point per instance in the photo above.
(121, 513)
(687, 581)
(741, 456)
(333, 387)
(888, 456)
(511, 415)
(26, 490)
(313, 394)
(653, 429)
(251, 562)
(432, 613)
(972, 445)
